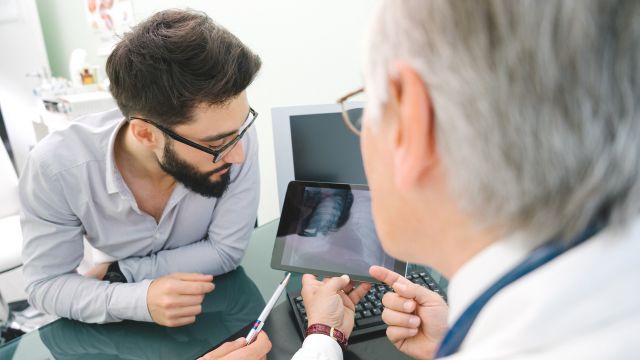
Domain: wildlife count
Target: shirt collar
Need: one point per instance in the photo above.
(476, 275)
(114, 179)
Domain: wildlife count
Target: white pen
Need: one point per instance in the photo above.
(257, 326)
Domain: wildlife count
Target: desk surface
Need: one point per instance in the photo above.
(235, 303)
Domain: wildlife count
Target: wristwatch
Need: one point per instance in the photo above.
(332, 332)
(114, 274)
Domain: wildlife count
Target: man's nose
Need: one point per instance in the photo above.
(235, 155)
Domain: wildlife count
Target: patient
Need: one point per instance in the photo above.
(166, 185)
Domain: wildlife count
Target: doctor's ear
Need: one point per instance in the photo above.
(414, 143)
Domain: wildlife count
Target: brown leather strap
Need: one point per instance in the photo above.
(332, 332)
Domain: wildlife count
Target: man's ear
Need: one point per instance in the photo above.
(146, 134)
(414, 151)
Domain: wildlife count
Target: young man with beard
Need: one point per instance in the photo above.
(167, 185)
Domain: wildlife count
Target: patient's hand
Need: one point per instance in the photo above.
(176, 299)
(233, 350)
(98, 271)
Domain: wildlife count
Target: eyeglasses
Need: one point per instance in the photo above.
(352, 117)
(217, 152)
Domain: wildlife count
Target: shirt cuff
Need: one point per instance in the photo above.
(322, 344)
(129, 301)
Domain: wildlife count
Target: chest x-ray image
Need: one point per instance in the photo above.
(331, 229)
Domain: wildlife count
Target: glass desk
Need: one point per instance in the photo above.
(227, 313)
(236, 303)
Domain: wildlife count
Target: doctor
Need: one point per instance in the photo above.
(501, 143)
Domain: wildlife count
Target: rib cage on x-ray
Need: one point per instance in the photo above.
(331, 209)
(338, 235)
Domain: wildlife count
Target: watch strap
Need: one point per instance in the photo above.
(332, 332)
(114, 274)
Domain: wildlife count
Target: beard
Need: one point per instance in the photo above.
(191, 178)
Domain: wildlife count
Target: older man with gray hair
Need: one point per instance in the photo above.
(501, 141)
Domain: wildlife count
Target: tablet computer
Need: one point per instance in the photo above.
(327, 229)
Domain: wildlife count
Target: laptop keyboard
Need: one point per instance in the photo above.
(368, 312)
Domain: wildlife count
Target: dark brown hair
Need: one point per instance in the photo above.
(174, 61)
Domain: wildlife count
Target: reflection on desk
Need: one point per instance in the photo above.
(235, 303)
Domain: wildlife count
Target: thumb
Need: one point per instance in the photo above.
(336, 284)
(236, 344)
(225, 349)
(261, 346)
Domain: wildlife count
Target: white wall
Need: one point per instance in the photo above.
(311, 53)
(21, 51)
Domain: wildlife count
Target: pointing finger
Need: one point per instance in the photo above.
(422, 295)
(385, 275)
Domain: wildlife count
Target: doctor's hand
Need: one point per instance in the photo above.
(332, 301)
(238, 350)
(417, 317)
(176, 299)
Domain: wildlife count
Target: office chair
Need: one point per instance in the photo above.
(10, 231)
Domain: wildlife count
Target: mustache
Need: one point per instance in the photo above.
(221, 168)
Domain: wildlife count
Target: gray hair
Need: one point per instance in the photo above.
(536, 109)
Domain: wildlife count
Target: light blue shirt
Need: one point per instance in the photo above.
(71, 188)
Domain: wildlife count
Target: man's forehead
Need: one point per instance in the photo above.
(228, 111)
(210, 119)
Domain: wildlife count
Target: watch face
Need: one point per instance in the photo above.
(114, 277)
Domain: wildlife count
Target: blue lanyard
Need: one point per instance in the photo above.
(538, 257)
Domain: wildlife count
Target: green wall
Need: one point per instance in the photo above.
(65, 28)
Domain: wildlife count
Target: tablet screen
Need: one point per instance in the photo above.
(327, 229)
